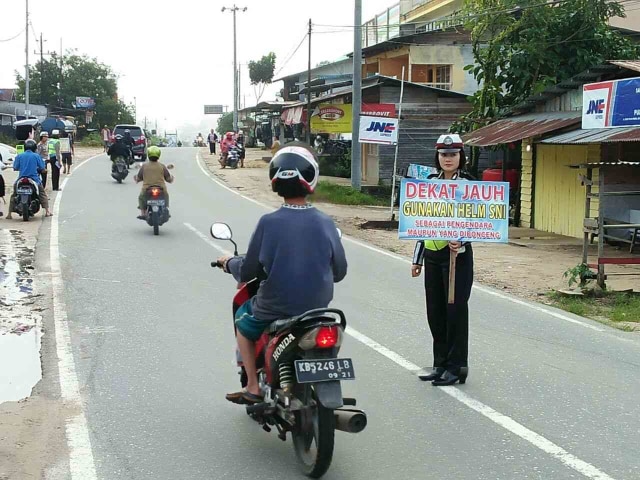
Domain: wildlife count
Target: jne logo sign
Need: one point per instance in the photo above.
(381, 127)
(596, 107)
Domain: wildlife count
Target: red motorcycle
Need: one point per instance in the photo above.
(299, 375)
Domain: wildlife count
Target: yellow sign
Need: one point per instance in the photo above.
(331, 118)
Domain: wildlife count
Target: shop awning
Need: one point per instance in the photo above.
(595, 135)
(517, 128)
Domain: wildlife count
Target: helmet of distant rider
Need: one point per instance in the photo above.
(154, 152)
(31, 145)
(119, 138)
(294, 171)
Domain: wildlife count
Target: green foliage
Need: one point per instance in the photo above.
(578, 274)
(92, 140)
(79, 76)
(261, 73)
(343, 195)
(524, 46)
(617, 309)
(225, 123)
(8, 140)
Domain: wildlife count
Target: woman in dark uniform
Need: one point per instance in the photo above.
(449, 324)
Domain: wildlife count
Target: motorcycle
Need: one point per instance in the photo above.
(119, 169)
(27, 202)
(157, 211)
(299, 374)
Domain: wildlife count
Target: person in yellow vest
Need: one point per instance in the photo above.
(54, 159)
(152, 173)
(449, 324)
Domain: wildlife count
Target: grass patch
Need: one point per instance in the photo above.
(621, 310)
(92, 140)
(343, 195)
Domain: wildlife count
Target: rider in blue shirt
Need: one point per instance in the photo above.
(29, 164)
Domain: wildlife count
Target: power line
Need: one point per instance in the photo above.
(291, 56)
(14, 37)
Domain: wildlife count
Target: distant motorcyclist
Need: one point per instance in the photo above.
(152, 173)
(118, 149)
(129, 141)
(29, 164)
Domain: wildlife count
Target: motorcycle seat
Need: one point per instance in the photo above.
(312, 315)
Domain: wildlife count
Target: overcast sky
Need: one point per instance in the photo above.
(174, 59)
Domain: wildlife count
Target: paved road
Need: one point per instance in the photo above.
(547, 398)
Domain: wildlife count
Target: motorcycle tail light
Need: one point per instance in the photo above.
(155, 192)
(24, 181)
(321, 337)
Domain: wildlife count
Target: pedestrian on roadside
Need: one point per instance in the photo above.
(67, 157)
(54, 159)
(275, 146)
(212, 138)
(106, 136)
(2, 185)
(43, 151)
(449, 323)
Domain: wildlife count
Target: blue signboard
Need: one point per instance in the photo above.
(626, 106)
(454, 210)
(610, 104)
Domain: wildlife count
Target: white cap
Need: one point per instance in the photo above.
(449, 143)
(55, 132)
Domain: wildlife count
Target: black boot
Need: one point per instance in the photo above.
(450, 378)
(436, 373)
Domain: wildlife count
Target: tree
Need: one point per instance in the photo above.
(79, 76)
(524, 46)
(225, 123)
(261, 73)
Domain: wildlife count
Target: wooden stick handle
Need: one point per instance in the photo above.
(452, 277)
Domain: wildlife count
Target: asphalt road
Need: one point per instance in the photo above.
(548, 397)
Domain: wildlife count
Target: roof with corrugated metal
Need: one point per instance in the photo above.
(595, 135)
(628, 64)
(523, 126)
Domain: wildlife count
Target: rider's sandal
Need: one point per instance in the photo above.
(251, 399)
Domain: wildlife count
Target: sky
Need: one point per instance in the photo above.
(176, 57)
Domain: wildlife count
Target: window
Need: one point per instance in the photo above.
(438, 76)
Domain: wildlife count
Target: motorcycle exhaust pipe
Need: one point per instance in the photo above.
(350, 421)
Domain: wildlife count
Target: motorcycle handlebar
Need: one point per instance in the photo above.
(216, 264)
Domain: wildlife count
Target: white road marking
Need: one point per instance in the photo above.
(81, 462)
(496, 417)
(489, 291)
(207, 240)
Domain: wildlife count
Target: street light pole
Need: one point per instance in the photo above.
(356, 149)
(135, 110)
(26, 77)
(234, 9)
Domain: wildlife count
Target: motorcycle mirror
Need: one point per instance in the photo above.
(221, 231)
(170, 166)
(339, 232)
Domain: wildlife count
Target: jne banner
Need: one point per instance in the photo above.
(454, 210)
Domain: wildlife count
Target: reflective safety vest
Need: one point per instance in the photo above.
(435, 245)
(52, 146)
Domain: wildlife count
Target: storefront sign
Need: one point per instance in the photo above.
(611, 104)
(454, 210)
(380, 130)
(331, 118)
(85, 102)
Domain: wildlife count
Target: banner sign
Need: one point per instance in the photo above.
(213, 110)
(454, 210)
(611, 104)
(379, 110)
(420, 171)
(85, 102)
(380, 130)
(65, 145)
(331, 118)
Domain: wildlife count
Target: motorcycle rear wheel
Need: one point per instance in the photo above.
(25, 213)
(155, 221)
(315, 460)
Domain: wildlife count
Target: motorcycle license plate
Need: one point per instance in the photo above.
(156, 202)
(324, 370)
(24, 191)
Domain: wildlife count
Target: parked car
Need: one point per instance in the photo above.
(7, 154)
(139, 138)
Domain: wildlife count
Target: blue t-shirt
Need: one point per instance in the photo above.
(28, 164)
(299, 252)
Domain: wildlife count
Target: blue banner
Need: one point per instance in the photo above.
(420, 171)
(454, 210)
(626, 105)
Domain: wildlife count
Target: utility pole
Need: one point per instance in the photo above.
(356, 150)
(309, 89)
(41, 72)
(60, 83)
(234, 9)
(26, 75)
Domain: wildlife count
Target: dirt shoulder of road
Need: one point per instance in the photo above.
(32, 430)
(530, 271)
